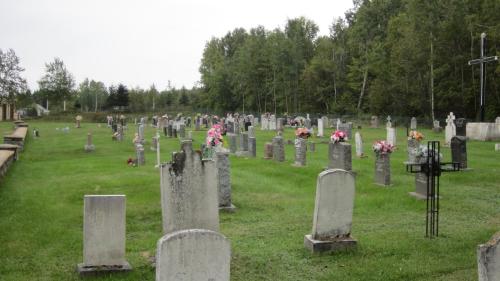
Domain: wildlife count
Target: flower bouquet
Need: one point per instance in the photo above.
(338, 136)
(416, 135)
(214, 136)
(383, 147)
(303, 133)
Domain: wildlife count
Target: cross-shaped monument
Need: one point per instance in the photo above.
(482, 61)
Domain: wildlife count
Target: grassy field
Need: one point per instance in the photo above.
(41, 206)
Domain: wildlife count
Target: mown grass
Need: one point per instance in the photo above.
(41, 206)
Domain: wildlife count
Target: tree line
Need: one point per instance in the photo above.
(401, 57)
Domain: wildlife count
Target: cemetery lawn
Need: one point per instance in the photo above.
(41, 210)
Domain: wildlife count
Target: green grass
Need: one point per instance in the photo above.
(41, 206)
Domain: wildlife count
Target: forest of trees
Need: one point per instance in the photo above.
(400, 57)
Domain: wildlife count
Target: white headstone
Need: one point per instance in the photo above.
(193, 255)
(320, 127)
(359, 144)
(189, 195)
(413, 124)
(450, 130)
(103, 231)
(391, 135)
(389, 123)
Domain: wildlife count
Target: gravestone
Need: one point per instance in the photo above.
(359, 145)
(154, 143)
(236, 127)
(389, 123)
(413, 124)
(412, 149)
(312, 146)
(436, 127)
(244, 141)
(189, 196)
(197, 124)
(279, 124)
(383, 169)
(325, 122)
(307, 123)
(300, 152)
(497, 146)
(78, 121)
(450, 130)
(339, 155)
(320, 128)
(182, 131)
(278, 149)
(488, 259)
(252, 147)
(391, 135)
(230, 127)
(347, 128)
(233, 147)
(272, 122)
(374, 122)
(139, 150)
(224, 181)
(268, 150)
(251, 132)
(459, 151)
(89, 146)
(461, 127)
(174, 132)
(420, 182)
(119, 137)
(193, 255)
(103, 234)
(333, 211)
(141, 133)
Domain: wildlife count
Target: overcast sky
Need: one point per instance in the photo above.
(139, 43)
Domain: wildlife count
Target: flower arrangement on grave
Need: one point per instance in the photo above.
(423, 152)
(214, 136)
(338, 136)
(136, 139)
(303, 133)
(416, 135)
(383, 147)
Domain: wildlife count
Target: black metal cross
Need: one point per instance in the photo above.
(432, 168)
(482, 61)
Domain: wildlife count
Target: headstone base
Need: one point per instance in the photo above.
(89, 148)
(84, 270)
(229, 209)
(242, 154)
(382, 185)
(317, 246)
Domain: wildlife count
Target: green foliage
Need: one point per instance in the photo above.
(385, 57)
(57, 82)
(11, 82)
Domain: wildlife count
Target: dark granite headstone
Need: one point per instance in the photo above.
(383, 169)
(459, 151)
(461, 125)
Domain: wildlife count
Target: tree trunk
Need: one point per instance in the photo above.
(432, 78)
(365, 77)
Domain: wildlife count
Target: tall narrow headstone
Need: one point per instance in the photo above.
(103, 234)
(278, 149)
(320, 128)
(244, 141)
(141, 160)
(182, 131)
(224, 180)
(251, 132)
(279, 124)
(333, 209)
(233, 146)
(450, 130)
(488, 259)
(192, 255)
(359, 145)
(461, 127)
(383, 169)
(300, 152)
(391, 135)
(89, 146)
(154, 143)
(189, 196)
(141, 133)
(459, 151)
(252, 147)
(119, 137)
(412, 149)
(339, 155)
(374, 122)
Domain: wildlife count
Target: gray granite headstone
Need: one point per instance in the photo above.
(119, 137)
(383, 169)
(488, 259)
(461, 127)
(189, 196)
(300, 152)
(374, 122)
(169, 130)
(252, 147)
(333, 210)
(459, 151)
(340, 156)
(359, 144)
(182, 131)
(413, 124)
(224, 180)
(244, 141)
(412, 149)
(103, 234)
(89, 146)
(251, 132)
(141, 160)
(278, 149)
(193, 255)
(307, 123)
(233, 146)
(154, 143)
